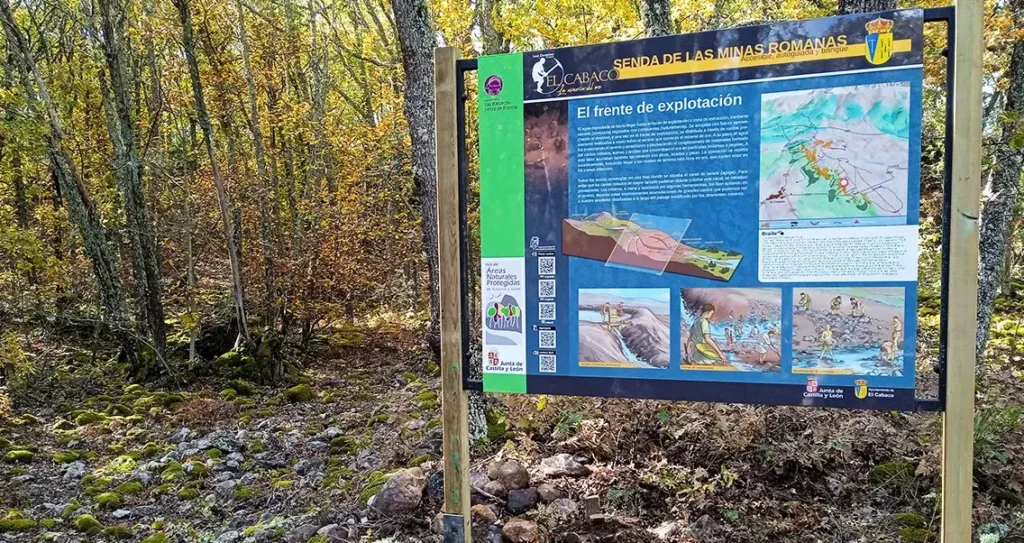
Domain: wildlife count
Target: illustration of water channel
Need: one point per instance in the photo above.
(595, 316)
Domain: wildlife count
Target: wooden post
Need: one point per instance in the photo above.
(454, 402)
(958, 419)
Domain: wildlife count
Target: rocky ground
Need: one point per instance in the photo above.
(353, 455)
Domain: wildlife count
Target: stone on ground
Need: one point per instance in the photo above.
(521, 500)
(520, 530)
(510, 473)
(548, 493)
(402, 493)
(561, 465)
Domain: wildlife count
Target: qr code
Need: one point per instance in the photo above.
(546, 265)
(546, 311)
(548, 364)
(547, 339)
(546, 288)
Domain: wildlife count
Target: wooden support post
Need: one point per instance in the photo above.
(958, 420)
(454, 401)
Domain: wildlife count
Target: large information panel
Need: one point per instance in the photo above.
(725, 216)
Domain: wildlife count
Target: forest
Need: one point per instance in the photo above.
(219, 296)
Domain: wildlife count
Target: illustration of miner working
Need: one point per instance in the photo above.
(611, 315)
(701, 348)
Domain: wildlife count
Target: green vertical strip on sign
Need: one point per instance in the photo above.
(502, 176)
(501, 156)
(514, 383)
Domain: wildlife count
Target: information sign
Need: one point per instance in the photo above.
(725, 216)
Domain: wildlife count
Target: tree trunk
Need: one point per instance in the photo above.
(494, 42)
(266, 246)
(1003, 186)
(189, 46)
(417, 42)
(81, 207)
(657, 17)
(865, 6)
(128, 171)
(22, 205)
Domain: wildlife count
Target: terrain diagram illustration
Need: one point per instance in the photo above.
(835, 153)
(647, 243)
(624, 328)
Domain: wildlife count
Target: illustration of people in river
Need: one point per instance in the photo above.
(701, 347)
(852, 331)
(826, 339)
(733, 329)
(804, 304)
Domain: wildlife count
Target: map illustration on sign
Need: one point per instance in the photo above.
(835, 153)
(624, 328)
(647, 243)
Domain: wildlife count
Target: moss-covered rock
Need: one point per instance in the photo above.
(158, 537)
(88, 524)
(373, 485)
(917, 535)
(215, 454)
(19, 456)
(281, 484)
(89, 417)
(188, 493)
(227, 363)
(244, 492)
(16, 524)
(897, 472)
(148, 401)
(172, 400)
(299, 393)
(118, 410)
(342, 445)
(49, 523)
(66, 457)
(161, 490)
(4, 444)
(909, 520)
(228, 394)
(196, 469)
(419, 460)
(426, 399)
(149, 450)
(62, 425)
(133, 486)
(378, 418)
(244, 388)
(173, 472)
(70, 508)
(121, 464)
(118, 531)
(108, 500)
(134, 389)
(29, 418)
